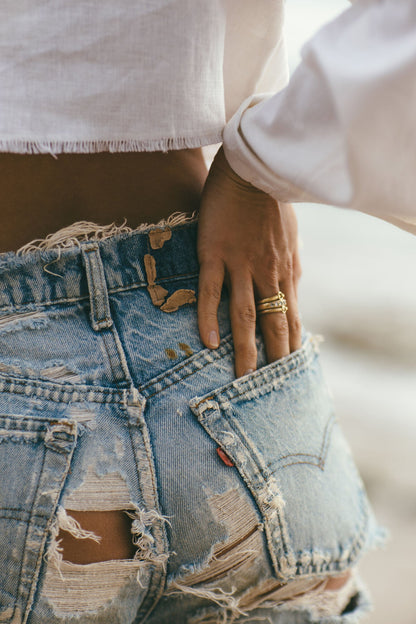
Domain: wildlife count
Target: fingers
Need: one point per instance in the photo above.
(258, 257)
(281, 332)
(243, 323)
(242, 314)
(211, 278)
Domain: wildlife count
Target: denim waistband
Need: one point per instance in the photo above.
(58, 275)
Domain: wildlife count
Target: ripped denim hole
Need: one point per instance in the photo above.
(211, 582)
(95, 581)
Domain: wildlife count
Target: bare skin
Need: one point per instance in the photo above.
(114, 529)
(40, 194)
(249, 241)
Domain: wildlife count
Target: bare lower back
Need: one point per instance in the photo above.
(40, 194)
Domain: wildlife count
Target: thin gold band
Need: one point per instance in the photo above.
(269, 305)
(279, 296)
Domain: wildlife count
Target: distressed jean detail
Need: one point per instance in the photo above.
(243, 495)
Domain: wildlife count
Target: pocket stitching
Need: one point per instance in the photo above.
(321, 458)
(46, 430)
(283, 558)
(264, 380)
(266, 493)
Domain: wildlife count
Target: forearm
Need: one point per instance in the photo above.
(344, 130)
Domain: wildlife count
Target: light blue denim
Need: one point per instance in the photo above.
(189, 433)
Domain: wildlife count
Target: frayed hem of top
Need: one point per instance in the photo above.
(20, 146)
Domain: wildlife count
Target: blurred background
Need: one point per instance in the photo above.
(358, 291)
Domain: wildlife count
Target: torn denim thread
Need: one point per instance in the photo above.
(109, 402)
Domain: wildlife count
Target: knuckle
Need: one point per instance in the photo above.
(245, 352)
(210, 263)
(207, 316)
(296, 324)
(250, 257)
(211, 290)
(279, 330)
(238, 260)
(286, 265)
(297, 270)
(246, 315)
(271, 269)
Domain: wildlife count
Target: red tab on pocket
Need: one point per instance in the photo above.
(224, 457)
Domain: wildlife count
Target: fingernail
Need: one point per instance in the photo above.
(213, 340)
(249, 371)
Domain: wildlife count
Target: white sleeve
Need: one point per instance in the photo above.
(343, 131)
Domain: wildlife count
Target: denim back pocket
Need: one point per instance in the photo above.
(278, 428)
(35, 455)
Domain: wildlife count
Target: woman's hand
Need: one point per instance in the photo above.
(246, 238)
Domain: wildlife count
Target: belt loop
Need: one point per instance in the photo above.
(99, 304)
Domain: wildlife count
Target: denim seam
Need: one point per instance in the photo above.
(142, 450)
(224, 349)
(141, 284)
(119, 375)
(264, 379)
(100, 394)
(33, 515)
(81, 297)
(48, 302)
(61, 393)
(21, 592)
(58, 485)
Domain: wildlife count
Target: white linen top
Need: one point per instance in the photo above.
(137, 75)
(132, 75)
(343, 132)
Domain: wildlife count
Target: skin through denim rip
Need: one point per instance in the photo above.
(237, 552)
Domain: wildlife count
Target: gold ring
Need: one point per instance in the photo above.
(276, 303)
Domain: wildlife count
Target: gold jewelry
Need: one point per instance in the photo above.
(276, 303)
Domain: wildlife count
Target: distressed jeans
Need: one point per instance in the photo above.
(243, 494)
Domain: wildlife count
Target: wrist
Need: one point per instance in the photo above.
(221, 163)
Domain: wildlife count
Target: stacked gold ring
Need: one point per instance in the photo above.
(276, 303)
